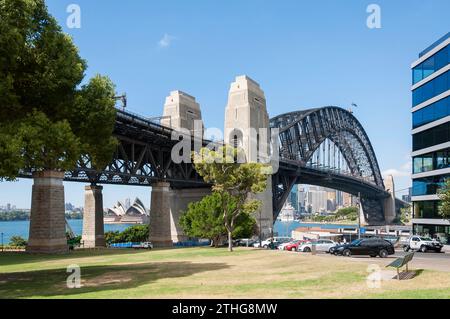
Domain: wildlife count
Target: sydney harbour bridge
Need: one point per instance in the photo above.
(325, 146)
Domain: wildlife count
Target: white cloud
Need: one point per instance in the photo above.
(404, 171)
(166, 41)
(396, 173)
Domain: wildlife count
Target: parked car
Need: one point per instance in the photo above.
(144, 245)
(423, 244)
(283, 245)
(367, 246)
(334, 248)
(290, 245)
(275, 240)
(392, 239)
(245, 242)
(293, 246)
(322, 245)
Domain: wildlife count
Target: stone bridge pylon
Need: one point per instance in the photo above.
(247, 127)
(181, 111)
(144, 157)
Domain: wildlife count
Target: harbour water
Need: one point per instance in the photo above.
(21, 228)
(284, 229)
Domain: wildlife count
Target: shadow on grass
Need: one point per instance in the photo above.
(48, 283)
(13, 258)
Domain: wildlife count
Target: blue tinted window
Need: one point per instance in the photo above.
(428, 185)
(431, 161)
(431, 89)
(433, 136)
(426, 209)
(431, 65)
(432, 112)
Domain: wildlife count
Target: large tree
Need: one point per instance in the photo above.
(444, 196)
(232, 179)
(204, 219)
(47, 119)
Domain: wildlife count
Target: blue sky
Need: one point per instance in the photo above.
(303, 53)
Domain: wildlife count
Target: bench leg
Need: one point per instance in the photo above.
(398, 273)
(407, 268)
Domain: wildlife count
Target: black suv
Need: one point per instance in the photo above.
(368, 246)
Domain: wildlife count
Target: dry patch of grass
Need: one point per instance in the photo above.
(205, 273)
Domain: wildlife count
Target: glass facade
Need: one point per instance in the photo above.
(426, 212)
(428, 185)
(427, 209)
(431, 89)
(433, 136)
(431, 161)
(433, 112)
(431, 65)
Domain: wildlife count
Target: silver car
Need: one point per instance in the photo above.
(322, 245)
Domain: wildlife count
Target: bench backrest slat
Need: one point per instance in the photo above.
(402, 261)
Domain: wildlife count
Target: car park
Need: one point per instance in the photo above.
(293, 246)
(144, 245)
(423, 244)
(322, 245)
(245, 242)
(367, 246)
(283, 245)
(276, 241)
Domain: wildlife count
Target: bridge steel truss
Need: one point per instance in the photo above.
(142, 157)
(302, 133)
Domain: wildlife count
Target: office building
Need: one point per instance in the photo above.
(431, 137)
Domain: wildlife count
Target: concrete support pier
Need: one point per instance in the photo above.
(93, 227)
(160, 233)
(389, 203)
(47, 219)
(179, 203)
(247, 127)
(165, 212)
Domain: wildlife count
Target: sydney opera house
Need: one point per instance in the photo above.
(125, 213)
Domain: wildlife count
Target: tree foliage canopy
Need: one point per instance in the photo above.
(134, 234)
(444, 196)
(204, 219)
(348, 213)
(234, 180)
(46, 120)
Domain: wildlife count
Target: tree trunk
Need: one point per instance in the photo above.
(230, 241)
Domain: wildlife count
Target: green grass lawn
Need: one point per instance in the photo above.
(204, 273)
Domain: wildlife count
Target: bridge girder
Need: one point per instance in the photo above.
(302, 133)
(143, 156)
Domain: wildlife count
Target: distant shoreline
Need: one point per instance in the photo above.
(27, 220)
(319, 223)
(123, 223)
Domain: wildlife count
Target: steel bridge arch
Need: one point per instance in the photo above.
(301, 133)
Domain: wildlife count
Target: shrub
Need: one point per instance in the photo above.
(138, 233)
(17, 241)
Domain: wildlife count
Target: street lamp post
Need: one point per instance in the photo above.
(260, 239)
(359, 215)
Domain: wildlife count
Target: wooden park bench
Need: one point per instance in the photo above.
(399, 263)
